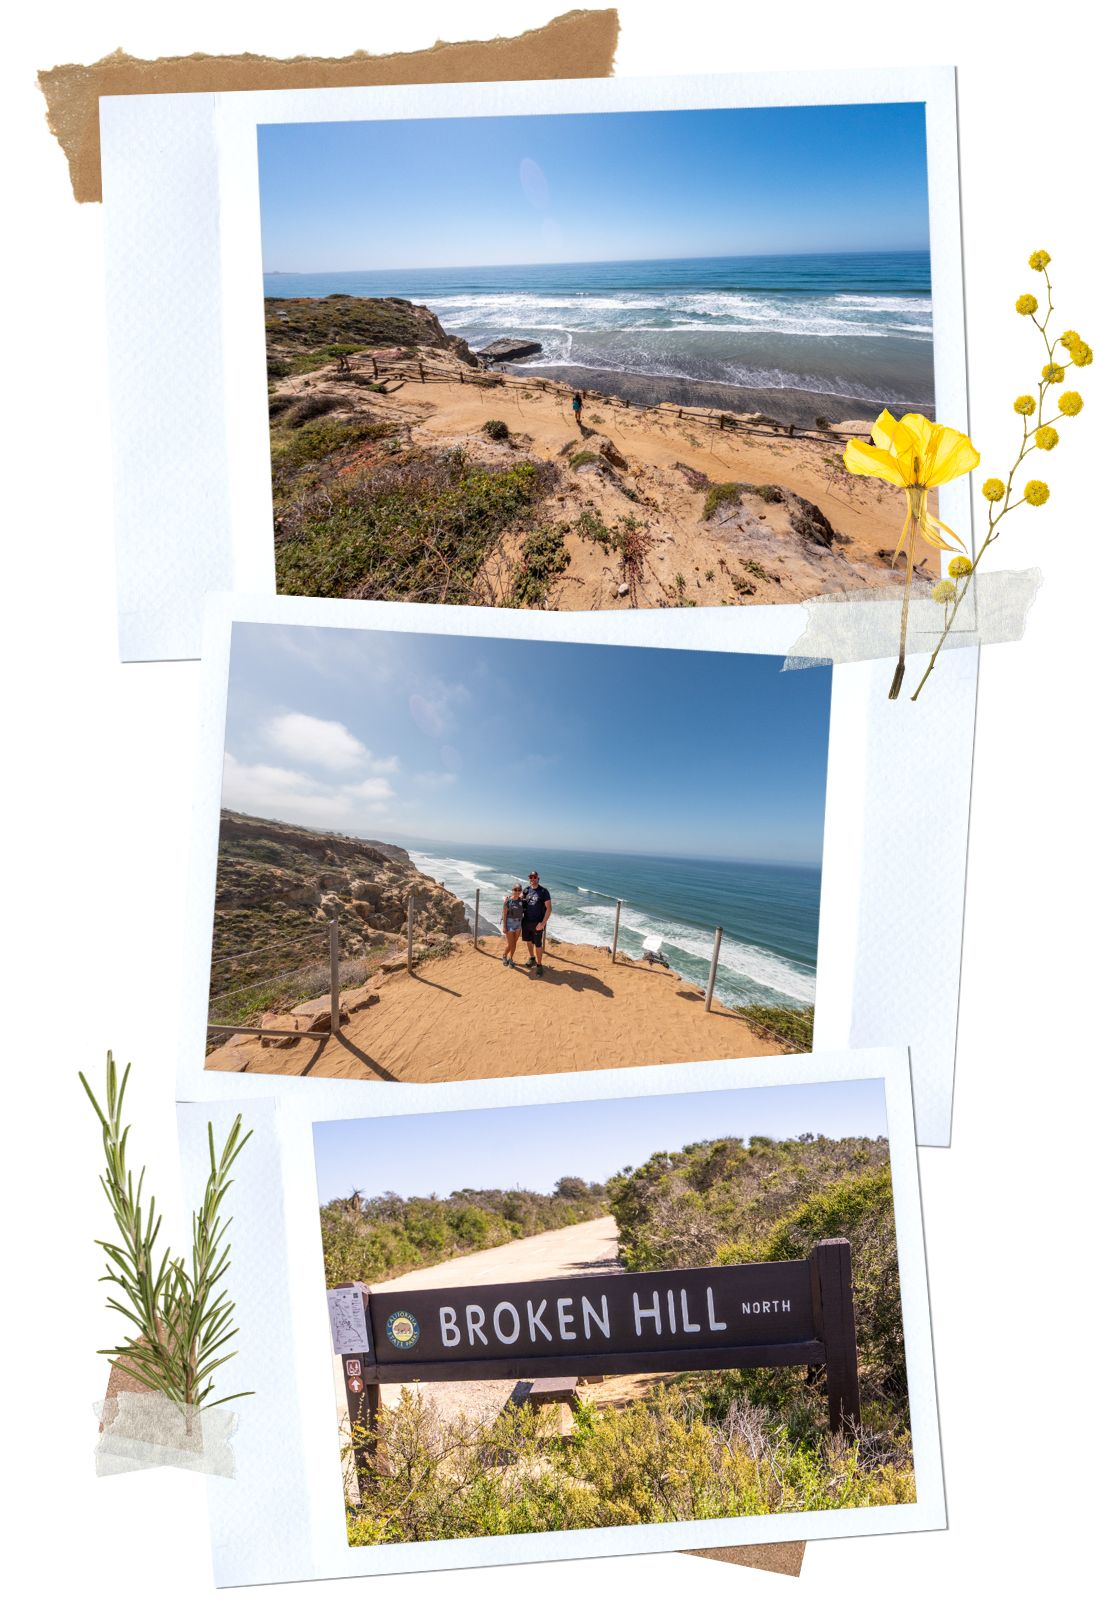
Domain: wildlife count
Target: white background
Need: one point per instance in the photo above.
(98, 793)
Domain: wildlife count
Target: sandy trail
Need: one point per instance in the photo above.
(574, 1252)
(654, 490)
(466, 1016)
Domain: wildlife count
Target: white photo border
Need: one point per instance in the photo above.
(277, 1526)
(182, 233)
(893, 869)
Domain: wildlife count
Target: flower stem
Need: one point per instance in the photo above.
(899, 671)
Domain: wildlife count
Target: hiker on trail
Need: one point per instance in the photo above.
(511, 922)
(578, 401)
(537, 907)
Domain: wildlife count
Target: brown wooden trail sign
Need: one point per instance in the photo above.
(765, 1314)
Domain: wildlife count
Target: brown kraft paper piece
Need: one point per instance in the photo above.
(578, 44)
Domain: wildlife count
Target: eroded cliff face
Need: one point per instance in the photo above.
(278, 882)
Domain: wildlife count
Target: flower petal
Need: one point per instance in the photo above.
(931, 527)
(868, 461)
(882, 430)
(953, 456)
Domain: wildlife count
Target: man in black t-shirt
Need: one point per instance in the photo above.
(537, 907)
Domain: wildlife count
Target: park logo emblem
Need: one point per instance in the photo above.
(402, 1329)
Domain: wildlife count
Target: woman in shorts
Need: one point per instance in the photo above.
(511, 922)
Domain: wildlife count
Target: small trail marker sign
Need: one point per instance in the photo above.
(763, 1314)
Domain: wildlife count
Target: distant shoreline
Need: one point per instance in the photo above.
(799, 408)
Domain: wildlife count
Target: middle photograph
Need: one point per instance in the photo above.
(443, 857)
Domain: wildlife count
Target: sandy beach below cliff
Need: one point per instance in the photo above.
(465, 1016)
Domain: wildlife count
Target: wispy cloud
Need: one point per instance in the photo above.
(434, 708)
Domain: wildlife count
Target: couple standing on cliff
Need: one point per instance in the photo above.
(526, 913)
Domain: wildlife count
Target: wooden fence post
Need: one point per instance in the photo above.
(409, 936)
(420, 369)
(615, 941)
(835, 1323)
(477, 917)
(713, 967)
(374, 365)
(334, 975)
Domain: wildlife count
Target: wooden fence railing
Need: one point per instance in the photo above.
(402, 371)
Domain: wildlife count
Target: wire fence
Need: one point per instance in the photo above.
(324, 972)
(651, 949)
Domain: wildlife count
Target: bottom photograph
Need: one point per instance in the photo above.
(614, 1313)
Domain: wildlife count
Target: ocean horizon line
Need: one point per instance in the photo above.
(588, 261)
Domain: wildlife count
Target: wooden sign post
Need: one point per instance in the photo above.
(763, 1314)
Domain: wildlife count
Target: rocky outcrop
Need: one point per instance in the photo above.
(510, 350)
(281, 883)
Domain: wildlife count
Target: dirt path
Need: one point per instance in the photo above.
(562, 1253)
(461, 1017)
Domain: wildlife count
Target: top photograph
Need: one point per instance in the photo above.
(595, 361)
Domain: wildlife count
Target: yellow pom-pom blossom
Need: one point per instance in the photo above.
(993, 489)
(944, 591)
(1070, 403)
(1052, 373)
(1046, 438)
(1038, 260)
(960, 566)
(1036, 492)
(1070, 338)
(1026, 304)
(1081, 355)
(1024, 404)
(916, 455)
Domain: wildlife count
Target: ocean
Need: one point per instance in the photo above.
(768, 914)
(855, 325)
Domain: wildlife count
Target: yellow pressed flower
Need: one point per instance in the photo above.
(960, 566)
(915, 455)
(1046, 438)
(1026, 304)
(1038, 260)
(1024, 404)
(944, 591)
(1053, 373)
(993, 489)
(1070, 403)
(1036, 492)
(1070, 338)
(1081, 355)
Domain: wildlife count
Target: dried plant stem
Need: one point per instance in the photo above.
(180, 1320)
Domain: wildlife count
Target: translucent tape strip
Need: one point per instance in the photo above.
(863, 625)
(147, 1430)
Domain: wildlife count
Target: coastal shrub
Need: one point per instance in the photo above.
(755, 569)
(661, 1459)
(720, 494)
(724, 1201)
(369, 1239)
(277, 368)
(317, 441)
(308, 406)
(495, 428)
(416, 528)
(584, 458)
(793, 1024)
(771, 494)
(543, 557)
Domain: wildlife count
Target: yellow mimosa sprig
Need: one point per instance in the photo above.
(1038, 434)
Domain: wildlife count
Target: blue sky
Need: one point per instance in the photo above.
(485, 191)
(531, 1147)
(434, 737)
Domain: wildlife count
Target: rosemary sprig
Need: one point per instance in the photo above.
(180, 1320)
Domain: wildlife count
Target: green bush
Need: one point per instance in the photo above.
(654, 1461)
(543, 557)
(719, 494)
(417, 528)
(793, 1024)
(319, 440)
(495, 428)
(583, 458)
(369, 1240)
